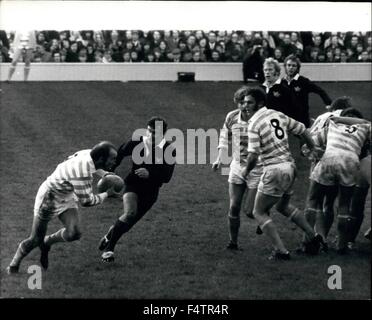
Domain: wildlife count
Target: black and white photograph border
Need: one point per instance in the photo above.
(174, 262)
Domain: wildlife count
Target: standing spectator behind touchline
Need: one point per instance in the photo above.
(300, 88)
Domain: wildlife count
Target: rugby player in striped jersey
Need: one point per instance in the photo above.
(235, 132)
(323, 216)
(58, 196)
(340, 167)
(268, 138)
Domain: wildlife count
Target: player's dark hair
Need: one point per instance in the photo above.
(102, 151)
(352, 112)
(341, 103)
(152, 122)
(258, 94)
(293, 57)
(240, 94)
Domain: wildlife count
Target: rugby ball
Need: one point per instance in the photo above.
(108, 181)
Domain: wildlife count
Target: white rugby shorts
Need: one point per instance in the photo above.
(49, 204)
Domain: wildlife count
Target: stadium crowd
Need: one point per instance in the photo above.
(192, 46)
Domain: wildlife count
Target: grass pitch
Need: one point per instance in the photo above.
(177, 251)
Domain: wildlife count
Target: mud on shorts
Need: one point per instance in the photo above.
(49, 204)
(336, 169)
(236, 177)
(278, 179)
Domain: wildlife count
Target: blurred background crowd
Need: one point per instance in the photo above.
(192, 46)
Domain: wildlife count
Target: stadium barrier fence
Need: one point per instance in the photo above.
(169, 71)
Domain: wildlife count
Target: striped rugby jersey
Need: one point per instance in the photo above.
(320, 121)
(75, 175)
(267, 133)
(340, 138)
(235, 131)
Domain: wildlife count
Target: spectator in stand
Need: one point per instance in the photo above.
(321, 57)
(98, 56)
(107, 57)
(212, 42)
(163, 48)
(236, 56)
(187, 56)
(268, 51)
(230, 44)
(314, 53)
(220, 47)
(176, 55)
(72, 53)
(82, 55)
(365, 57)
(182, 46)
(41, 39)
(90, 53)
(351, 55)
(278, 55)
(202, 45)
(150, 57)
(287, 47)
(343, 56)
(296, 41)
(126, 56)
(134, 56)
(329, 55)
(196, 56)
(215, 56)
(137, 44)
(41, 55)
(199, 34)
(253, 65)
(221, 36)
(56, 57)
(87, 38)
(173, 40)
(99, 41)
(248, 40)
(156, 38)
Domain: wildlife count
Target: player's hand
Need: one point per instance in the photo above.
(112, 193)
(216, 165)
(143, 173)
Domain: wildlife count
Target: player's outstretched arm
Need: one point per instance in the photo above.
(350, 120)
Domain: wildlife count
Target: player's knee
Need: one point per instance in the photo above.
(33, 241)
(72, 234)
(282, 208)
(234, 210)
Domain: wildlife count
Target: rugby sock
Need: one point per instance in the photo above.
(11, 72)
(321, 224)
(299, 219)
(117, 231)
(328, 217)
(357, 210)
(268, 227)
(234, 225)
(21, 252)
(310, 215)
(58, 236)
(26, 73)
(344, 226)
(109, 233)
